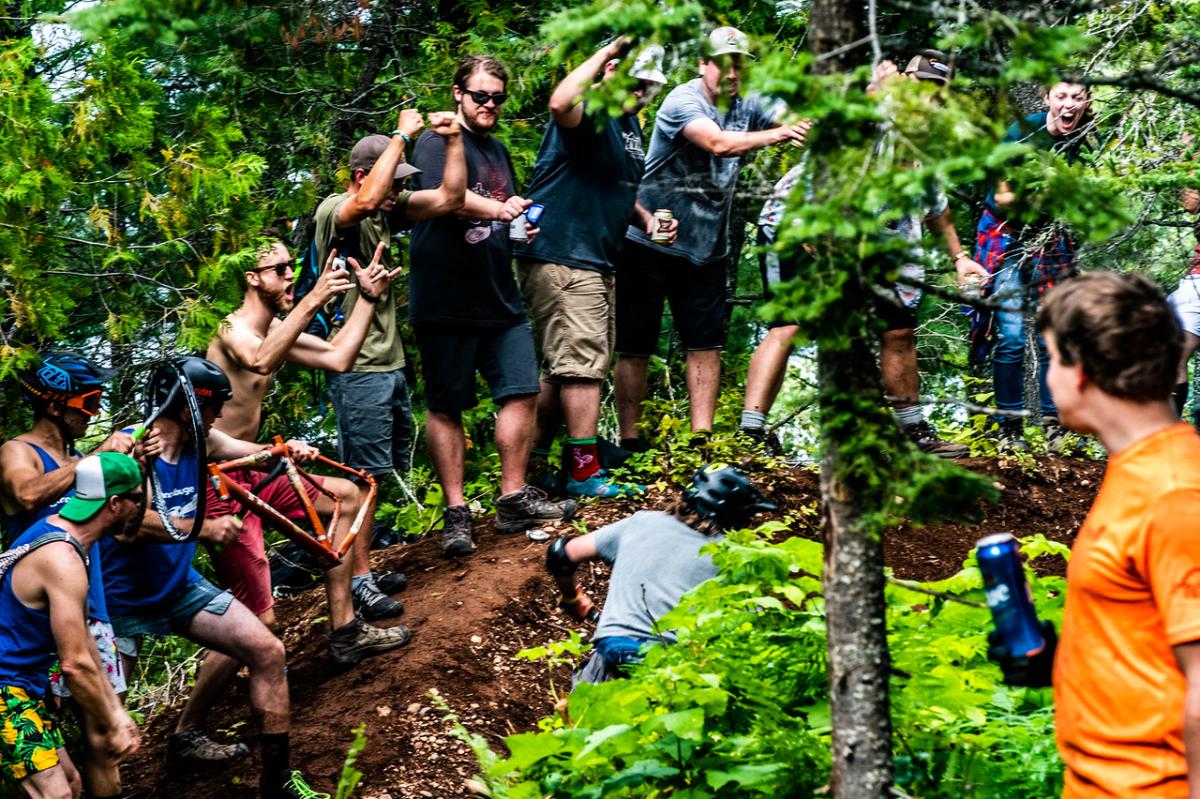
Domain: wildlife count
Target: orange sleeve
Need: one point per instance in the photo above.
(1173, 560)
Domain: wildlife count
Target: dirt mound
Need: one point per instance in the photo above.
(469, 617)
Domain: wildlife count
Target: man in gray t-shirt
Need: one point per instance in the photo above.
(702, 131)
(656, 558)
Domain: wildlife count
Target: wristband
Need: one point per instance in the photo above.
(370, 298)
(962, 254)
(405, 136)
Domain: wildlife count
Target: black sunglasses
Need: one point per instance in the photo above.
(481, 98)
(280, 269)
(132, 496)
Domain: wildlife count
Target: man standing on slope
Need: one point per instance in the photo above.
(1126, 673)
(702, 131)
(467, 315)
(587, 172)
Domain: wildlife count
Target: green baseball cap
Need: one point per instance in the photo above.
(98, 477)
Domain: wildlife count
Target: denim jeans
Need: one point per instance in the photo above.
(1008, 355)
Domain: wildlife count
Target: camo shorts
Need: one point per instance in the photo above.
(29, 739)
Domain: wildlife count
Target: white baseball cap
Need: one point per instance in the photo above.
(726, 40)
(648, 64)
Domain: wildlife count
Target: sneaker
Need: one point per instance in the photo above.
(295, 787)
(1012, 437)
(390, 583)
(926, 438)
(372, 604)
(456, 532)
(194, 748)
(522, 509)
(357, 640)
(762, 440)
(1058, 439)
(603, 486)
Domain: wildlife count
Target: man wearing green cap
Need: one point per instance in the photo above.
(43, 617)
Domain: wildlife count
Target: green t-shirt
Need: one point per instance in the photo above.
(382, 350)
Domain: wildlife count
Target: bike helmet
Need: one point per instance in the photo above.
(65, 377)
(208, 381)
(725, 494)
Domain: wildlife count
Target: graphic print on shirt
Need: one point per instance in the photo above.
(493, 177)
(633, 146)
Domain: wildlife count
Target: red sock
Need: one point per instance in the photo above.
(582, 458)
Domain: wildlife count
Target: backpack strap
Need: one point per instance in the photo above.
(10, 558)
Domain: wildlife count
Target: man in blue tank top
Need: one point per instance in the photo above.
(37, 475)
(44, 577)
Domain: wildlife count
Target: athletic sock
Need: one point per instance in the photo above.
(276, 763)
(359, 579)
(582, 458)
(909, 416)
(1180, 396)
(753, 420)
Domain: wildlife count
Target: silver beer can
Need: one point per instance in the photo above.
(517, 230)
(662, 226)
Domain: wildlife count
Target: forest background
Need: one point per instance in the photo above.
(143, 145)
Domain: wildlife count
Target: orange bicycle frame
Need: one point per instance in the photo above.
(319, 542)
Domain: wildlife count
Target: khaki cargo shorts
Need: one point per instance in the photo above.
(573, 312)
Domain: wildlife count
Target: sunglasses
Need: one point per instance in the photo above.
(482, 98)
(86, 403)
(132, 496)
(280, 269)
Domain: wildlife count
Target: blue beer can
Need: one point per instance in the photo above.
(534, 212)
(1008, 595)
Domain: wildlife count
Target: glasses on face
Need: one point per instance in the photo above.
(86, 403)
(281, 269)
(133, 496)
(482, 98)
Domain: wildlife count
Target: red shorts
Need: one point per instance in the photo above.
(242, 566)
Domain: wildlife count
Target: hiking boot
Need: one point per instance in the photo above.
(357, 640)
(456, 532)
(926, 438)
(390, 583)
(763, 440)
(1058, 439)
(373, 604)
(603, 486)
(295, 787)
(1012, 438)
(522, 509)
(194, 748)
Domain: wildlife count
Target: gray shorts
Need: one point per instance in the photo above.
(172, 619)
(374, 420)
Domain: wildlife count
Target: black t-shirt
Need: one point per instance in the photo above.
(461, 269)
(588, 181)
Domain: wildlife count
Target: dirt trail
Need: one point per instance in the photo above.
(470, 616)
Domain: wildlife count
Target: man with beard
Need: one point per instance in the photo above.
(467, 314)
(44, 590)
(587, 172)
(1026, 258)
(702, 131)
(370, 401)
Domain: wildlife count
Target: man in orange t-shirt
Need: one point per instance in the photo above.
(1127, 671)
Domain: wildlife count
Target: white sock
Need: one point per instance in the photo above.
(753, 420)
(909, 416)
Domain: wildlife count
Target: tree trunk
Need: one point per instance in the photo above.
(851, 405)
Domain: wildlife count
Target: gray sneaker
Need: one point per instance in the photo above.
(527, 507)
(1058, 439)
(194, 748)
(357, 640)
(456, 532)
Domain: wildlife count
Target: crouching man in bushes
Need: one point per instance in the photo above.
(1126, 672)
(656, 559)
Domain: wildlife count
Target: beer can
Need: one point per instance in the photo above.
(1008, 595)
(533, 214)
(517, 231)
(971, 285)
(662, 226)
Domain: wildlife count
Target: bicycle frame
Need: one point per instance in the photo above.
(319, 542)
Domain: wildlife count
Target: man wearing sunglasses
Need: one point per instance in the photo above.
(587, 171)
(701, 133)
(467, 314)
(44, 594)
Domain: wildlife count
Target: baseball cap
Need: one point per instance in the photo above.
(367, 152)
(930, 65)
(648, 64)
(726, 40)
(98, 477)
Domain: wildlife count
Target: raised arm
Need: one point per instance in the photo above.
(450, 195)
(566, 106)
(378, 183)
(705, 134)
(23, 484)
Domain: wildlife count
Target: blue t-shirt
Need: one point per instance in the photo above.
(145, 576)
(27, 646)
(19, 522)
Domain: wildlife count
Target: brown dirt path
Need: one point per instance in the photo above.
(469, 617)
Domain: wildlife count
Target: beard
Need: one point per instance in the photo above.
(280, 301)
